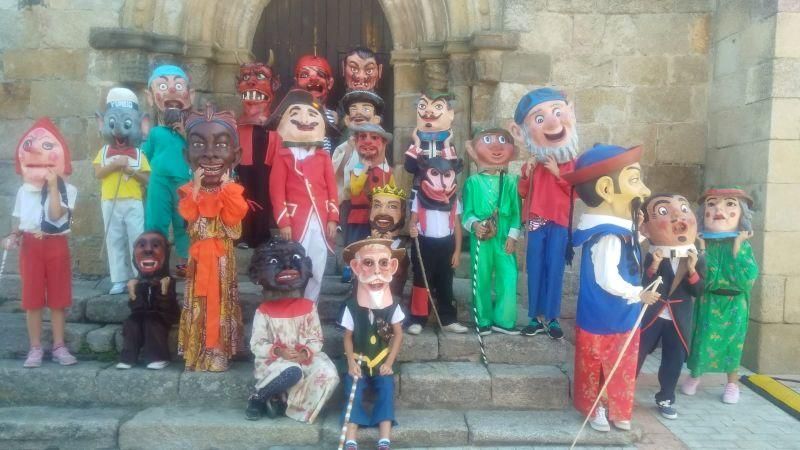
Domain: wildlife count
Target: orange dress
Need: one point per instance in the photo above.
(211, 319)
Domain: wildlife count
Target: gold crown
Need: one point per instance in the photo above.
(390, 189)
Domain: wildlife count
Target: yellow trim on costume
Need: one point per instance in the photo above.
(372, 363)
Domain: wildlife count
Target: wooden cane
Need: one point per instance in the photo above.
(425, 279)
(347, 411)
(651, 287)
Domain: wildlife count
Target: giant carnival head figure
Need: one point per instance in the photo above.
(122, 125)
(371, 141)
(361, 107)
(544, 123)
(212, 144)
(387, 212)
(280, 265)
(151, 255)
(439, 182)
(361, 69)
(42, 150)
(299, 119)
(312, 73)
(669, 223)
(608, 179)
(491, 149)
(725, 210)
(435, 111)
(256, 84)
(169, 92)
(374, 262)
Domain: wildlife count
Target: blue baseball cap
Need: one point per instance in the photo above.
(166, 69)
(600, 160)
(533, 98)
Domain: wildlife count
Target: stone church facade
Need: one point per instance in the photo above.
(709, 87)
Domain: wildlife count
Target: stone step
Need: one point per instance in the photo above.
(15, 335)
(30, 427)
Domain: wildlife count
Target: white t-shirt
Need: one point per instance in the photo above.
(348, 324)
(437, 223)
(28, 207)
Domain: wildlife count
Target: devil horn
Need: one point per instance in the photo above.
(271, 58)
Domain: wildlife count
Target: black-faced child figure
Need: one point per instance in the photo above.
(287, 337)
(153, 304)
(671, 227)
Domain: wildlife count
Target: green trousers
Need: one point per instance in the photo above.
(161, 210)
(494, 262)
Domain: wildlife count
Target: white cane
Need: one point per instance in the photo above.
(347, 411)
(652, 288)
(3, 263)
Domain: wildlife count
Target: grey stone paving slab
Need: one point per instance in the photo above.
(539, 427)
(329, 307)
(211, 428)
(138, 386)
(224, 388)
(38, 427)
(445, 385)
(415, 427)
(51, 384)
(107, 309)
(15, 334)
(528, 387)
(102, 339)
(503, 349)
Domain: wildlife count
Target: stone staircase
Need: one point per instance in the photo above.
(445, 396)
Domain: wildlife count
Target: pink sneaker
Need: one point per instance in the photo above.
(34, 358)
(731, 394)
(62, 356)
(689, 386)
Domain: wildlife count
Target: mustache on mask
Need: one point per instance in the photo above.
(375, 277)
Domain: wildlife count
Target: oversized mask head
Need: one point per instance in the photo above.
(387, 213)
(439, 182)
(491, 149)
(544, 123)
(300, 119)
(435, 112)
(370, 141)
(212, 144)
(170, 93)
(361, 107)
(374, 263)
(151, 255)
(122, 125)
(361, 70)
(313, 74)
(725, 212)
(42, 150)
(669, 221)
(256, 85)
(280, 265)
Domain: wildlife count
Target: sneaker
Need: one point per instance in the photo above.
(34, 358)
(123, 366)
(624, 425)
(351, 445)
(158, 365)
(599, 421)
(533, 328)
(243, 245)
(554, 330)
(731, 394)
(347, 275)
(383, 444)
(666, 409)
(414, 329)
(180, 270)
(117, 288)
(62, 356)
(455, 327)
(485, 331)
(510, 331)
(255, 408)
(689, 386)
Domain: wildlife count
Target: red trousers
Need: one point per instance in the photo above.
(46, 272)
(595, 355)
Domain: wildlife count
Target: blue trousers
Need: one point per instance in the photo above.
(383, 405)
(545, 259)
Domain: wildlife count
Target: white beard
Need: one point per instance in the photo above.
(565, 153)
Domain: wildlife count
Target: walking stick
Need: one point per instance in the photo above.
(110, 215)
(427, 288)
(347, 411)
(3, 263)
(475, 296)
(652, 287)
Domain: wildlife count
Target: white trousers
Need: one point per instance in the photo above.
(126, 224)
(316, 249)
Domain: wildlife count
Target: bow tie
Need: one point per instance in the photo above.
(124, 151)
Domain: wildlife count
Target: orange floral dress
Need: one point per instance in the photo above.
(211, 319)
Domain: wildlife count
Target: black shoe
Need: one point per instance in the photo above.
(534, 328)
(255, 408)
(275, 408)
(554, 330)
(666, 409)
(510, 331)
(485, 331)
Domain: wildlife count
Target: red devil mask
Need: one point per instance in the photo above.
(41, 149)
(256, 86)
(313, 74)
(439, 184)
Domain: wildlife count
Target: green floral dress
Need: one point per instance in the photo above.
(722, 312)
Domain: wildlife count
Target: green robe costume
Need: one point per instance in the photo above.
(480, 202)
(169, 171)
(722, 312)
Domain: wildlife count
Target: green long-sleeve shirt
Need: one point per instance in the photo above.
(164, 149)
(480, 201)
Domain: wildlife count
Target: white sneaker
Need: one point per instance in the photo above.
(731, 394)
(599, 422)
(624, 425)
(117, 288)
(123, 366)
(414, 329)
(455, 327)
(158, 365)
